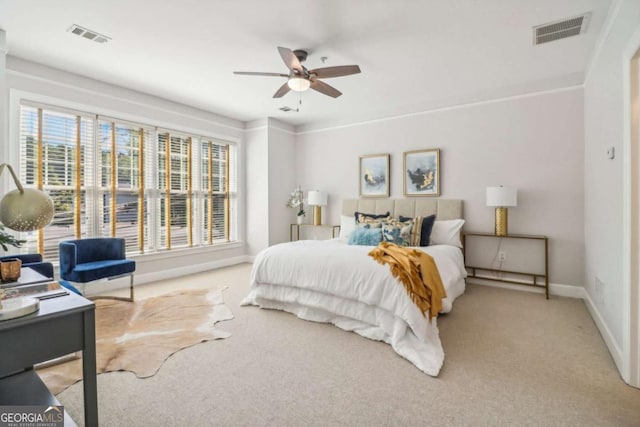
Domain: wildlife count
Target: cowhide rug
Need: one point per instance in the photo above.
(138, 337)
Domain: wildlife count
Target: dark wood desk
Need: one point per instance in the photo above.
(63, 325)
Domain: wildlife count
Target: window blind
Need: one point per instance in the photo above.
(158, 189)
(55, 153)
(121, 176)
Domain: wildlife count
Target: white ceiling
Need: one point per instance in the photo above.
(415, 55)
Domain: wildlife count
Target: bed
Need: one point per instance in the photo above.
(332, 282)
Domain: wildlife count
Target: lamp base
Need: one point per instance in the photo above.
(317, 215)
(501, 221)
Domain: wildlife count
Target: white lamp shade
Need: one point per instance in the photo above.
(298, 84)
(502, 196)
(317, 198)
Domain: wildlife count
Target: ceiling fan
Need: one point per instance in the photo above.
(301, 79)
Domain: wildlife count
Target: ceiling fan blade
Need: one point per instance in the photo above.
(252, 73)
(284, 89)
(339, 71)
(290, 59)
(324, 88)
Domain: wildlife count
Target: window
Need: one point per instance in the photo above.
(174, 181)
(54, 158)
(157, 188)
(216, 185)
(121, 182)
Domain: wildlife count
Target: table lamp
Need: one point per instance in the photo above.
(501, 198)
(317, 199)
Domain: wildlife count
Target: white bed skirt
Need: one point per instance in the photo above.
(331, 282)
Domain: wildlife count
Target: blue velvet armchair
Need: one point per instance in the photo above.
(87, 260)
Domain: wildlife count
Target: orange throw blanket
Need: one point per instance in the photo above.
(418, 273)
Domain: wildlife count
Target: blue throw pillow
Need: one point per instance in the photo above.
(365, 236)
(422, 226)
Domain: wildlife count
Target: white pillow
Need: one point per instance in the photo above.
(347, 225)
(447, 232)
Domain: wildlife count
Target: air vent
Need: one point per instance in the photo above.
(560, 29)
(88, 34)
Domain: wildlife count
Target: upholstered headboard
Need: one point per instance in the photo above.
(443, 208)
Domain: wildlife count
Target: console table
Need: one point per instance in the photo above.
(323, 227)
(63, 325)
(533, 275)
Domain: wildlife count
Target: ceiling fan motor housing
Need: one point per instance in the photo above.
(300, 54)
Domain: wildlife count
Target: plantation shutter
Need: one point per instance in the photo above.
(122, 182)
(174, 180)
(218, 190)
(157, 188)
(55, 156)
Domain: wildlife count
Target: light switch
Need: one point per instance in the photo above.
(611, 152)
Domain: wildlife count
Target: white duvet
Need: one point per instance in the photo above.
(332, 282)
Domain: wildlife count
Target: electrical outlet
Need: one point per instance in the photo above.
(502, 256)
(611, 152)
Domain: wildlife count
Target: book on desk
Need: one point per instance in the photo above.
(35, 290)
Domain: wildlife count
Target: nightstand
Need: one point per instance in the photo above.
(317, 232)
(544, 240)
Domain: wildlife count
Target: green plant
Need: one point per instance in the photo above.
(7, 240)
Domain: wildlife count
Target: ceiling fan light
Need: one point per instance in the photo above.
(298, 84)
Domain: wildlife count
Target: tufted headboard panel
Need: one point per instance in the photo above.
(443, 208)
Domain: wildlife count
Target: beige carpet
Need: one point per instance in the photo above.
(138, 337)
(512, 359)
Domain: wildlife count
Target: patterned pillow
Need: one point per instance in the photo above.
(422, 226)
(397, 232)
(365, 236)
(365, 220)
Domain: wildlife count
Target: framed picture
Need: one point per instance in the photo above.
(422, 172)
(374, 175)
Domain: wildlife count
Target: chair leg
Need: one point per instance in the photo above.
(130, 299)
(131, 288)
(58, 360)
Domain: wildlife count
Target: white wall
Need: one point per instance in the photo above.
(603, 180)
(282, 161)
(257, 185)
(270, 175)
(4, 104)
(534, 143)
(35, 82)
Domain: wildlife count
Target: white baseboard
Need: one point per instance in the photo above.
(554, 288)
(568, 291)
(189, 269)
(140, 279)
(605, 332)
(571, 292)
